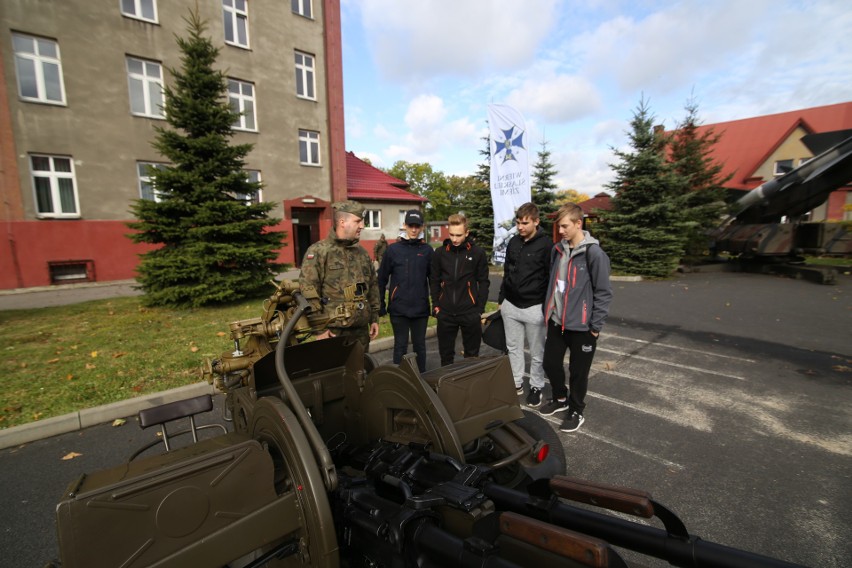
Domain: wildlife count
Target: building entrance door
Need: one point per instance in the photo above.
(306, 227)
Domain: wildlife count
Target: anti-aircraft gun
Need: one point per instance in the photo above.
(333, 460)
(754, 230)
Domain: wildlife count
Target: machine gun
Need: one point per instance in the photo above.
(336, 461)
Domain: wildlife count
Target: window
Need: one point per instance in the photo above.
(309, 148)
(302, 7)
(783, 166)
(140, 9)
(251, 199)
(373, 219)
(803, 161)
(241, 97)
(305, 82)
(235, 13)
(146, 180)
(39, 69)
(54, 186)
(71, 271)
(145, 79)
(402, 213)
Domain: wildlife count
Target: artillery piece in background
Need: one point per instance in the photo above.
(755, 232)
(336, 461)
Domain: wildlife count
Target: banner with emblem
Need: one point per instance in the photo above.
(510, 172)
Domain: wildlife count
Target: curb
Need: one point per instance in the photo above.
(87, 417)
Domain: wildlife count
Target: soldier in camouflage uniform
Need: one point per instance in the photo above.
(341, 270)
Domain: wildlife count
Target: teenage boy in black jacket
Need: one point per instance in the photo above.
(459, 283)
(522, 294)
(405, 266)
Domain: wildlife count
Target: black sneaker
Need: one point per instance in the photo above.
(520, 389)
(534, 398)
(553, 407)
(572, 423)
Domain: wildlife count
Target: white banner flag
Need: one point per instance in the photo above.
(510, 173)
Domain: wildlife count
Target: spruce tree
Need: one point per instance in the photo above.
(543, 187)
(212, 246)
(477, 204)
(644, 233)
(704, 197)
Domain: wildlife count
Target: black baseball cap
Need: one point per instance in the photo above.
(414, 217)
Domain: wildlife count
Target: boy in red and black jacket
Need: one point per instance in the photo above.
(459, 285)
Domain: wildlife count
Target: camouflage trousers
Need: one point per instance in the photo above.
(361, 333)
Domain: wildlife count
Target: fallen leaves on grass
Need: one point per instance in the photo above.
(52, 361)
(94, 354)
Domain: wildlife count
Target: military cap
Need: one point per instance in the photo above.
(349, 206)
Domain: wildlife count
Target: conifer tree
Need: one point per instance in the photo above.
(212, 244)
(644, 233)
(543, 187)
(477, 204)
(704, 197)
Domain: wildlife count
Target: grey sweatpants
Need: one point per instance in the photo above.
(520, 324)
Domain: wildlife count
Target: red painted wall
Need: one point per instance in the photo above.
(26, 247)
(836, 202)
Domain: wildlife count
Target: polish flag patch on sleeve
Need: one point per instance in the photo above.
(310, 256)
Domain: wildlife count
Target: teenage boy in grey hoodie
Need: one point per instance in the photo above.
(578, 298)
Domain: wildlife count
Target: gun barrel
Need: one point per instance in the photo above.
(691, 552)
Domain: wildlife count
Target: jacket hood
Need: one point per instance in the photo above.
(588, 239)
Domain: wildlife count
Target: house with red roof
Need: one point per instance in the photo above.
(755, 150)
(385, 198)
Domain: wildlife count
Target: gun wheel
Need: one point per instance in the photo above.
(296, 474)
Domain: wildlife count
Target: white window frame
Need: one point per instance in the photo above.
(254, 177)
(306, 76)
(146, 182)
(135, 9)
(40, 61)
(146, 80)
(235, 12)
(53, 177)
(402, 214)
(309, 148)
(244, 102)
(372, 218)
(303, 8)
(778, 171)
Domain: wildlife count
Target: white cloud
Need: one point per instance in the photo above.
(670, 48)
(557, 99)
(411, 40)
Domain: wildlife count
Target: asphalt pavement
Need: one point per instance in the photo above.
(726, 395)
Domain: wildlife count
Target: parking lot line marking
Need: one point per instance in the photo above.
(618, 445)
(626, 448)
(670, 364)
(670, 346)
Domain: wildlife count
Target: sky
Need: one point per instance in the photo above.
(418, 74)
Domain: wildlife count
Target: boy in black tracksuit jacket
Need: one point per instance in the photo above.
(405, 271)
(459, 283)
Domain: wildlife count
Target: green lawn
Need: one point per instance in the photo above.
(62, 359)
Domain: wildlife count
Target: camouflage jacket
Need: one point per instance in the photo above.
(341, 270)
